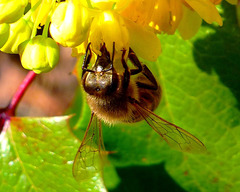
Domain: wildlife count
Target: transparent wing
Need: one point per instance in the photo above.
(89, 158)
(175, 136)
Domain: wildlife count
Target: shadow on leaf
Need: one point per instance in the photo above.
(146, 178)
(220, 51)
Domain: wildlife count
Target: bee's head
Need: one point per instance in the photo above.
(102, 80)
(100, 83)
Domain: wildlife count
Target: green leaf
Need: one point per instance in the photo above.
(36, 154)
(200, 80)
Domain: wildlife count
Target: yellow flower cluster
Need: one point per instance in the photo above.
(128, 23)
(18, 33)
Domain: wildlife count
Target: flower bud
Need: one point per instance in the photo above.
(40, 54)
(19, 31)
(4, 33)
(12, 10)
(70, 23)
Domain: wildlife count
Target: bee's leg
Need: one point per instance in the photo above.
(133, 58)
(108, 54)
(126, 73)
(148, 74)
(113, 51)
(87, 58)
(145, 71)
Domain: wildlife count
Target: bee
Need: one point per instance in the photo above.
(128, 97)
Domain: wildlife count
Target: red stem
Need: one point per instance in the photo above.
(20, 92)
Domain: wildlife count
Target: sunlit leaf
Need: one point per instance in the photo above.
(36, 154)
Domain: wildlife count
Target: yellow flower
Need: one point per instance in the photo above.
(108, 27)
(216, 2)
(128, 23)
(193, 13)
(233, 2)
(131, 23)
(70, 23)
(19, 32)
(162, 15)
(12, 10)
(190, 23)
(39, 54)
(4, 33)
(41, 13)
(206, 10)
(167, 15)
(106, 4)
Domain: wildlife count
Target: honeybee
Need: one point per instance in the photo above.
(127, 97)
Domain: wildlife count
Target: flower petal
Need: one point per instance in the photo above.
(162, 15)
(166, 15)
(12, 10)
(70, 23)
(107, 28)
(41, 13)
(216, 2)
(189, 24)
(20, 31)
(233, 2)
(80, 49)
(206, 9)
(4, 33)
(143, 42)
(139, 11)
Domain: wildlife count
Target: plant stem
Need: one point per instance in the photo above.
(36, 22)
(20, 92)
(89, 3)
(47, 23)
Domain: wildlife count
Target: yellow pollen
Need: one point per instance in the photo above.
(156, 6)
(151, 24)
(157, 27)
(174, 18)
